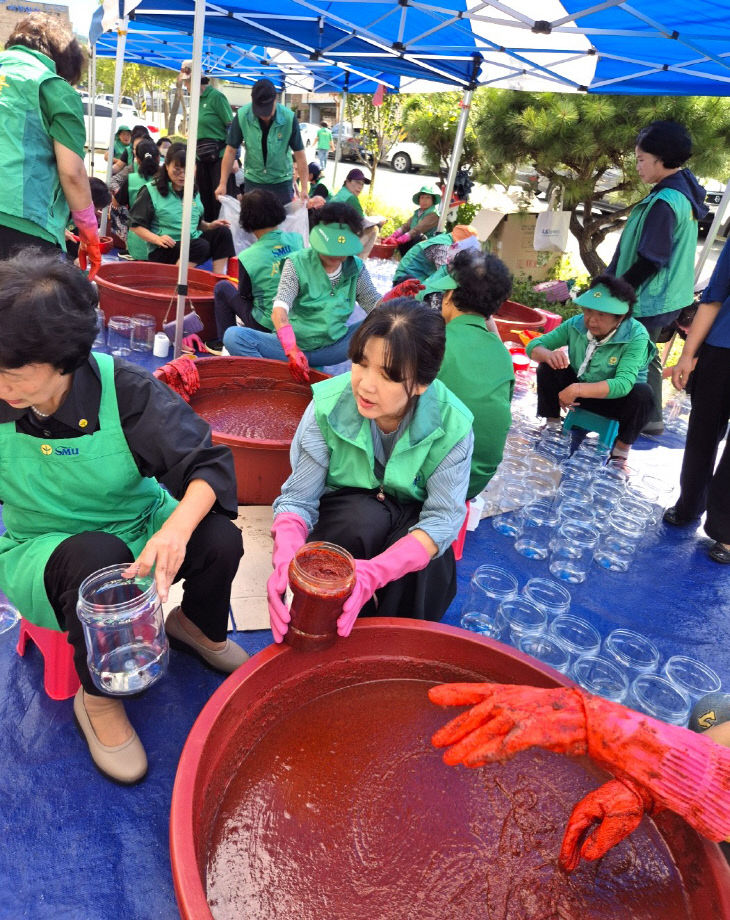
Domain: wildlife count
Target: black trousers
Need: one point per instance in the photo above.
(212, 244)
(228, 304)
(208, 175)
(654, 326)
(356, 520)
(631, 411)
(211, 561)
(13, 241)
(704, 487)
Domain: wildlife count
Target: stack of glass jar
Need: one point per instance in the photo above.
(623, 666)
(381, 272)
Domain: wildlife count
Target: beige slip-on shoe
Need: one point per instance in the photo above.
(124, 763)
(230, 657)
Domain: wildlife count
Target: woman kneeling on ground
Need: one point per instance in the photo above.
(317, 293)
(156, 217)
(380, 466)
(86, 443)
(605, 368)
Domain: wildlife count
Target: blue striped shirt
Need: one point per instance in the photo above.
(442, 513)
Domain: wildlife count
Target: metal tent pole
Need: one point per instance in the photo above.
(338, 146)
(458, 142)
(118, 64)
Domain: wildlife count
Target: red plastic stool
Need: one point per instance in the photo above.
(60, 679)
(458, 544)
(232, 268)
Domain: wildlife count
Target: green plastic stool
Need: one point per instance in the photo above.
(605, 428)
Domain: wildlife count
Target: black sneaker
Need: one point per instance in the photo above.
(674, 519)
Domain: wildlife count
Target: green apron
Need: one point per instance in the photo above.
(136, 246)
(53, 489)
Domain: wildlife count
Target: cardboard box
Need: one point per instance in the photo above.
(510, 237)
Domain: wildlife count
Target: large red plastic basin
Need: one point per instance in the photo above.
(253, 406)
(513, 317)
(277, 688)
(126, 288)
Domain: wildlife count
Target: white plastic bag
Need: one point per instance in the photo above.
(297, 220)
(551, 231)
(231, 211)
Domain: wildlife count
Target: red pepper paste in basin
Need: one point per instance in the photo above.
(321, 576)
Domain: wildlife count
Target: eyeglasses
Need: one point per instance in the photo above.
(176, 169)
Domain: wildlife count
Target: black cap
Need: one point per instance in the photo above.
(314, 170)
(668, 141)
(357, 174)
(263, 97)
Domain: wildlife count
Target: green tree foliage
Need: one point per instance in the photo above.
(138, 81)
(584, 145)
(431, 120)
(381, 126)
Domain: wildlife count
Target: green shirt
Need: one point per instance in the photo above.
(621, 362)
(478, 369)
(346, 196)
(214, 115)
(324, 139)
(62, 116)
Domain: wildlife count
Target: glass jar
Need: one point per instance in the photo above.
(601, 677)
(617, 543)
(546, 649)
(572, 552)
(489, 586)
(539, 518)
(657, 697)
(693, 678)
(550, 595)
(513, 497)
(523, 618)
(127, 649)
(631, 651)
(321, 577)
(576, 634)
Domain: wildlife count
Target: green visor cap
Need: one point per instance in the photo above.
(425, 190)
(123, 128)
(334, 240)
(600, 298)
(440, 280)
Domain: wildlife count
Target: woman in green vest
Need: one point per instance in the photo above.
(156, 217)
(146, 165)
(656, 252)
(86, 441)
(424, 222)
(477, 367)
(318, 290)
(426, 257)
(259, 266)
(380, 466)
(604, 370)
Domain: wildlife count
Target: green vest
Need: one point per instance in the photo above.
(214, 116)
(119, 149)
(672, 287)
(263, 261)
(320, 312)
(324, 139)
(278, 166)
(52, 489)
(439, 422)
(418, 216)
(346, 196)
(136, 247)
(169, 213)
(415, 263)
(29, 184)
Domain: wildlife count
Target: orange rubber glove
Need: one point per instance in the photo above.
(298, 364)
(408, 288)
(88, 232)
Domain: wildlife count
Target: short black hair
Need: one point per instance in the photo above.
(669, 141)
(415, 341)
(337, 212)
(48, 34)
(176, 155)
(100, 194)
(484, 282)
(619, 288)
(47, 312)
(163, 139)
(139, 131)
(260, 209)
(147, 155)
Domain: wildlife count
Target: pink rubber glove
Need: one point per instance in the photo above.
(602, 819)
(298, 364)
(682, 771)
(404, 238)
(404, 556)
(88, 229)
(289, 532)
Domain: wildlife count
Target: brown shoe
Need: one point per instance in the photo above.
(227, 659)
(125, 763)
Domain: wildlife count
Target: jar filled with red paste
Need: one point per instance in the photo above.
(321, 576)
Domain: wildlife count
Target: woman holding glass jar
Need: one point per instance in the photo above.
(86, 443)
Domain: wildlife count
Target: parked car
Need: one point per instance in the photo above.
(126, 103)
(715, 190)
(309, 135)
(406, 156)
(351, 147)
(103, 122)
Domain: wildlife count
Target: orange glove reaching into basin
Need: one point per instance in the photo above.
(657, 765)
(298, 364)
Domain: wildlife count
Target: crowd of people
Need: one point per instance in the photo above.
(385, 455)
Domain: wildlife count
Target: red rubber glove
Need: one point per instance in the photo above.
(289, 532)
(88, 232)
(618, 806)
(298, 364)
(392, 240)
(406, 555)
(408, 288)
(682, 771)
